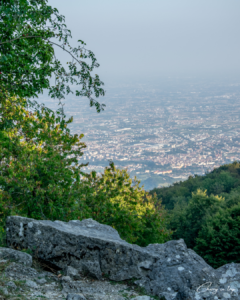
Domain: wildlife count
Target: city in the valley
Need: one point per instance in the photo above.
(161, 132)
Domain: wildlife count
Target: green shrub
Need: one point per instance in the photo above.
(41, 178)
(187, 219)
(39, 166)
(218, 241)
(113, 199)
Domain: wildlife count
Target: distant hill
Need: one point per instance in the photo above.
(205, 212)
(150, 183)
(220, 181)
(154, 181)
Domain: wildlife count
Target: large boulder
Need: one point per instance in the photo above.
(169, 270)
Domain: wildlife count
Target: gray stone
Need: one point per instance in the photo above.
(57, 288)
(31, 284)
(66, 278)
(169, 270)
(92, 269)
(141, 298)
(75, 297)
(18, 256)
(4, 290)
(20, 271)
(70, 286)
(11, 284)
(41, 281)
(72, 272)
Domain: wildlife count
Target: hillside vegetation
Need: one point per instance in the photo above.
(41, 178)
(41, 173)
(205, 212)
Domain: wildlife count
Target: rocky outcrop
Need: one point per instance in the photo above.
(19, 281)
(169, 270)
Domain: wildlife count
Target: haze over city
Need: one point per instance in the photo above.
(172, 78)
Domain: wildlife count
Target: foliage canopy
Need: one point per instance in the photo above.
(186, 223)
(218, 241)
(219, 181)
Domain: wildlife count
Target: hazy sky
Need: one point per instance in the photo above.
(138, 39)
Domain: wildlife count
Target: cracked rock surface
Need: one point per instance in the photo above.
(18, 281)
(170, 271)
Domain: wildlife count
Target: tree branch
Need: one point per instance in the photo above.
(9, 41)
(66, 51)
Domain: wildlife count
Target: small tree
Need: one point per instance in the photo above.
(39, 167)
(38, 156)
(113, 199)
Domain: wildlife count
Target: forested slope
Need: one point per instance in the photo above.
(205, 212)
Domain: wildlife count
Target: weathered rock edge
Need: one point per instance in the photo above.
(17, 280)
(21, 257)
(170, 270)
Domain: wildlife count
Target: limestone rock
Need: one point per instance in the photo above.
(11, 284)
(168, 270)
(142, 298)
(19, 280)
(20, 257)
(41, 281)
(92, 269)
(31, 284)
(70, 286)
(75, 297)
(20, 271)
(72, 272)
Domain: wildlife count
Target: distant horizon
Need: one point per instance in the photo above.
(160, 79)
(166, 76)
(142, 40)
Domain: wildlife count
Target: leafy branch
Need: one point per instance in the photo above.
(26, 51)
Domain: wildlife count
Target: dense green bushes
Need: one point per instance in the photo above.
(218, 241)
(39, 163)
(187, 222)
(204, 211)
(112, 199)
(41, 178)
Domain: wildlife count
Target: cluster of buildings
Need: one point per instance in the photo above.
(166, 134)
